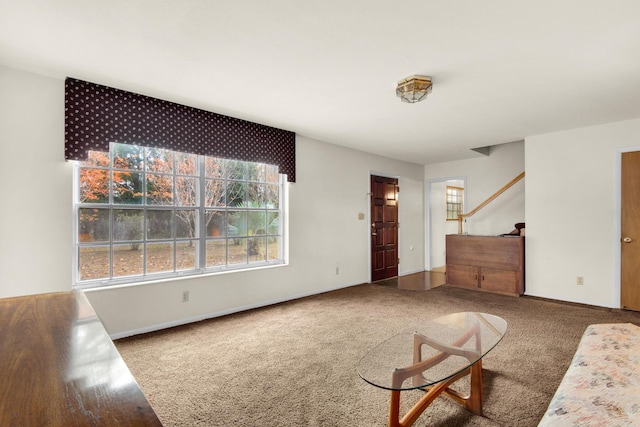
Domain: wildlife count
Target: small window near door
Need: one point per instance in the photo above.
(454, 202)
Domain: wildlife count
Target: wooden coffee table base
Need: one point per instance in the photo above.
(472, 402)
(445, 350)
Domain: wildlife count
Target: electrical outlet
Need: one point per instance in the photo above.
(580, 281)
(337, 270)
(185, 296)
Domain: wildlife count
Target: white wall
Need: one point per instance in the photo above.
(484, 176)
(439, 227)
(35, 186)
(573, 212)
(325, 232)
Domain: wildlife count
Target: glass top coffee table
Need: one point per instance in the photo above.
(431, 357)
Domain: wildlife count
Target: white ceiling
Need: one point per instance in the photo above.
(502, 69)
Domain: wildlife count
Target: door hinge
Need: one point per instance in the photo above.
(397, 189)
(398, 261)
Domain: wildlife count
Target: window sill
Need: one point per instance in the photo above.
(96, 286)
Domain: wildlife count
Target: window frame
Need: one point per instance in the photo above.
(448, 202)
(201, 239)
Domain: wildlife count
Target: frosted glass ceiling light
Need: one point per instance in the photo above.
(414, 89)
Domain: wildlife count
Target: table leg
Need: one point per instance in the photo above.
(472, 402)
(394, 409)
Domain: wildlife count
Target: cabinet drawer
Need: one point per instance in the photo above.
(501, 281)
(462, 275)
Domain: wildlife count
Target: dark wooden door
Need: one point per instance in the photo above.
(630, 232)
(384, 227)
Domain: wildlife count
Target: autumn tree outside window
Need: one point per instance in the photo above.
(145, 213)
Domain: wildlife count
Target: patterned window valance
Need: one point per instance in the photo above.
(97, 115)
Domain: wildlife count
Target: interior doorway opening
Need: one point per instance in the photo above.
(438, 226)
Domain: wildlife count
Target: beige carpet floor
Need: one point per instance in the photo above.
(294, 364)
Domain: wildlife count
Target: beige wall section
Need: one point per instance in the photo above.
(35, 186)
(325, 232)
(437, 220)
(573, 212)
(484, 176)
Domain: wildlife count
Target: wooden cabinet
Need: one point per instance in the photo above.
(462, 275)
(486, 263)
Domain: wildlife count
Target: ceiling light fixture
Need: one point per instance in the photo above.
(414, 89)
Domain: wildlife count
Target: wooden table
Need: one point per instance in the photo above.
(59, 367)
(431, 357)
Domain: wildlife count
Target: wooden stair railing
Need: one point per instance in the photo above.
(510, 184)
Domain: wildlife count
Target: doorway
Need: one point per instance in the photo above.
(630, 231)
(437, 225)
(384, 228)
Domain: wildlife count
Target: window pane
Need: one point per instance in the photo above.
(236, 169)
(216, 253)
(273, 222)
(186, 191)
(238, 251)
(159, 257)
(159, 224)
(94, 185)
(97, 158)
(130, 157)
(272, 196)
(216, 224)
(257, 248)
(256, 172)
(272, 174)
(186, 224)
(186, 164)
(93, 225)
(127, 224)
(236, 193)
(214, 167)
(257, 222)
(186, 255)
(93, 262)
(255, 195)
(237, 223)
(159, 160)
(127, 261)
(273, 248)
(214, 192)
(159, 189)
(127, 187)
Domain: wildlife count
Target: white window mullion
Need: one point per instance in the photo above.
(201, 226)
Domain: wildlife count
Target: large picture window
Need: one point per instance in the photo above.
(145, 213)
